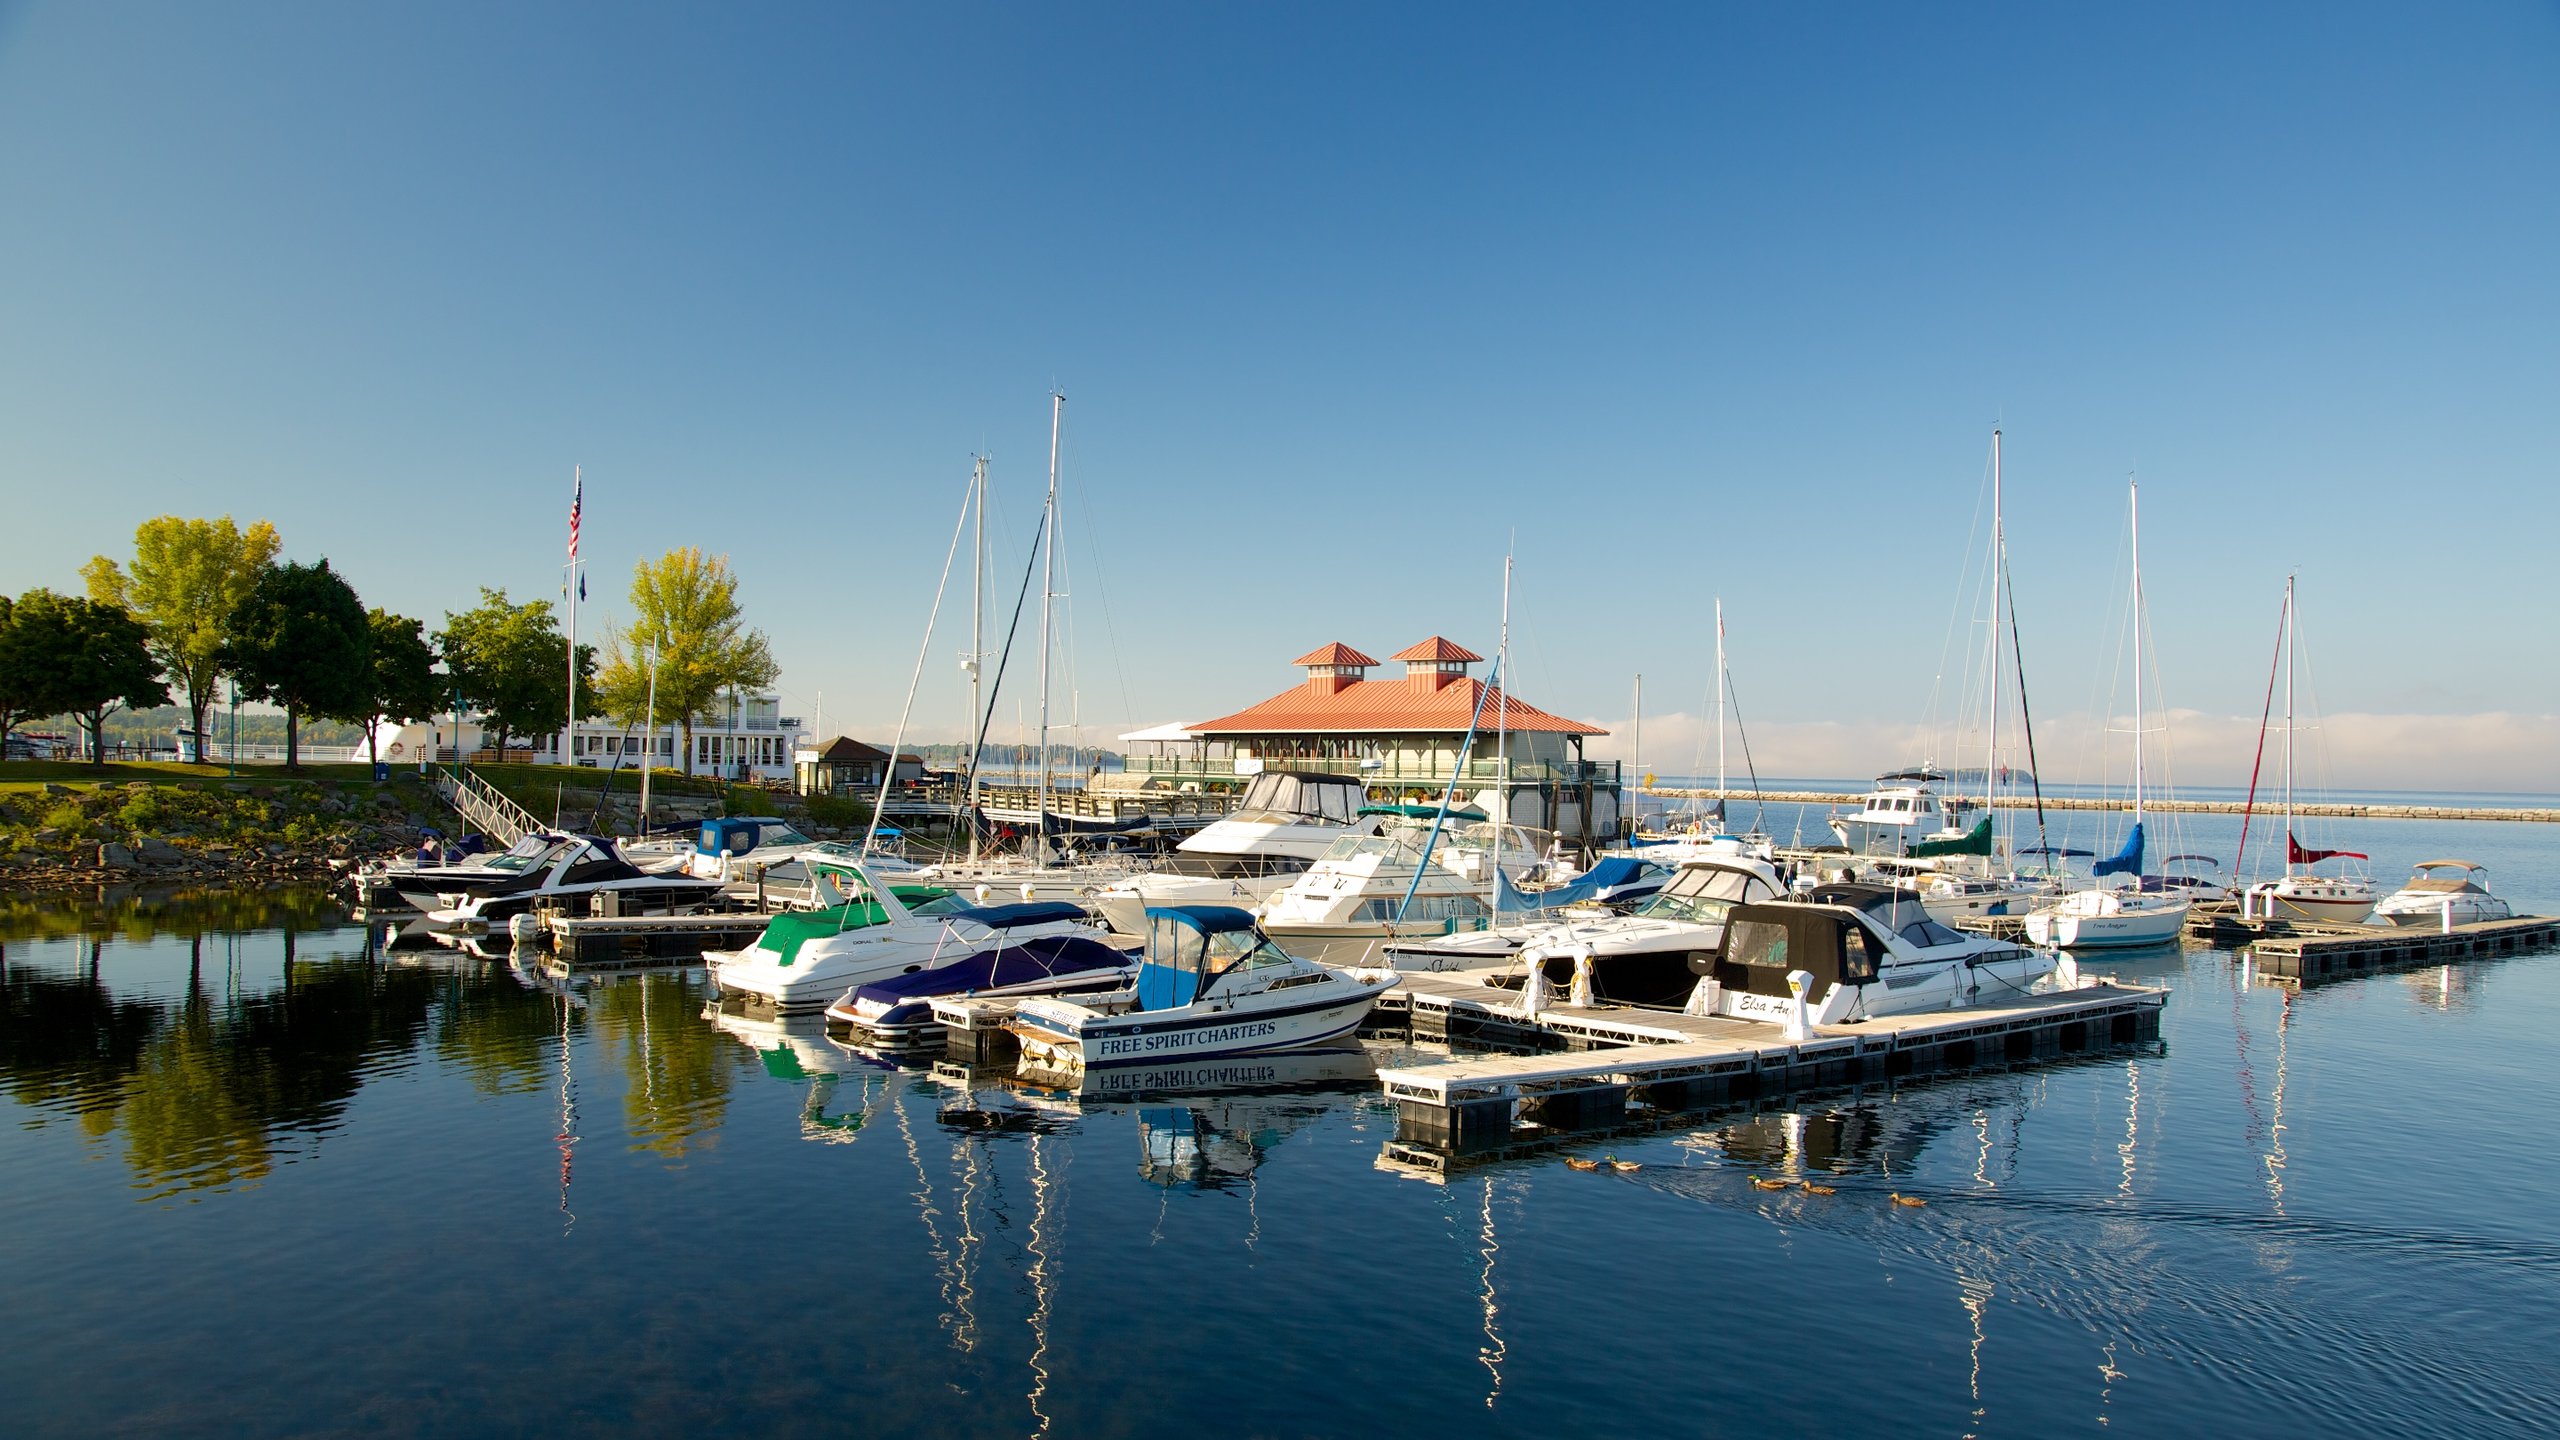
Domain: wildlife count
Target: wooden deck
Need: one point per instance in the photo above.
(595, 941)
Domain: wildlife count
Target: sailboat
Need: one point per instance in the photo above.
(1954, 871)
(1039, 873)
(2302, 893)
(2151, 910)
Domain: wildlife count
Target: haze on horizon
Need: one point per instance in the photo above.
(1670, 303)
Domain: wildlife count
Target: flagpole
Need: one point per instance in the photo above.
(569, 732)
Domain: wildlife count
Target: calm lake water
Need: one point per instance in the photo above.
(269, 1178)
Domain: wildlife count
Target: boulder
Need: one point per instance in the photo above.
(52, 789)
(112, 856)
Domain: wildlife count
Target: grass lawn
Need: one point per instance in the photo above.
(27, 774)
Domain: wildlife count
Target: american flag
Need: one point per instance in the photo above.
(577, 502)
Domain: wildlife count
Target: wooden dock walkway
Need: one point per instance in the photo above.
(2306, 957)
(601, 941)
(1661, 1061)
(2544, 815)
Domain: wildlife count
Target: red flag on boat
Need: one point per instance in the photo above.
(2296, 855)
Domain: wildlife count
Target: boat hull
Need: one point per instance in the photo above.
(1154, 1037)
(2096, 932)
(2314, 907)
(2428, 912)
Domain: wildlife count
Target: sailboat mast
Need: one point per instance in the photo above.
(1720, 783)
(1501, 743)
(977, 645)
(1048, 594)
(1991, 760)
(2288, 724)
(2134, 489)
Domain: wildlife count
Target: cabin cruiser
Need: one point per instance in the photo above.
(1365, 888)
(899, 1010)
(1962, 888)
(1212, 984)
(1871, 949)
(1903, 812)
(2442, 892)
(562, 870)
(380, 884)
(2301, 894)
(730, 847)
(1635, 959)
(1283, 824)
(807, 959)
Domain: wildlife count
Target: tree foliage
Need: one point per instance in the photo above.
(686, 606)
(69, 653)
(511, 664)
(186, 579)
(405, 683)
(299, 639)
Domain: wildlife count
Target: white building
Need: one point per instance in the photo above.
(752, 740)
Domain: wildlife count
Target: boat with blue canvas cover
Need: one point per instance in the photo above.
(807, 960)
(899, 1010)
(1211, 984)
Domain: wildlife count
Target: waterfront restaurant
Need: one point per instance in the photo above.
(1403, 734)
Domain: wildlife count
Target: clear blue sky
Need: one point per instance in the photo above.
(1691, 299)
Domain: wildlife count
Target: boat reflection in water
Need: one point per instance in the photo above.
(1208, 1124)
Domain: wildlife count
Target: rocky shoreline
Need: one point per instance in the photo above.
(223, 833)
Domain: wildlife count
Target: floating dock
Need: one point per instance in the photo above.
(2342, 952)
(1630, 1061)
(594, 941)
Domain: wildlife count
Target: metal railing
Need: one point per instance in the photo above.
(481, 805)
(1388, 770)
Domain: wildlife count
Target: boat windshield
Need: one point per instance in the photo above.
(531, 853)
(780, 835)
(1699, 896)
(951, 904)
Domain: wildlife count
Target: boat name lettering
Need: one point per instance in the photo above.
(1185, 1039)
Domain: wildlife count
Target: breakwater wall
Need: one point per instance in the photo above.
(2543, 815)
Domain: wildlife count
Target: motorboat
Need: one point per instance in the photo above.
(1634, 959)
(1957, 891)
(1416, 875)
(1212, 984)
(735, 847)
(899, 1010)
(1871, 950)
(808, 959)
(2445, 893)
(381, 884)
(424, 887)
(1904, 812)
(579, 873)
(1284, 823)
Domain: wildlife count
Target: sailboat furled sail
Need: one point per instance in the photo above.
(2127, 861)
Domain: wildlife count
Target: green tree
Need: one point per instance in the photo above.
(187, 578)
(22, 684)
(406, 686)
(81, 656)
(511, 664)
(686, 606)
(300, 639)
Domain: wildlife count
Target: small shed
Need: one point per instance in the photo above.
(841, 766)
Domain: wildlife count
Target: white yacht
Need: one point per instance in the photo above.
(1902, 812)
(2442, 892)
(1365, 887)
(558, 869)
(806, 960)
(1212, 984)
(1871, 950)
(1636, 959)
(1284, 823)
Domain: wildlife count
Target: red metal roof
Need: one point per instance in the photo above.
(1336, 653)
(1377, 707)
(1436, 648)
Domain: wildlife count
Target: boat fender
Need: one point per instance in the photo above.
(524, 929)
(1582, 976)
(982, 893)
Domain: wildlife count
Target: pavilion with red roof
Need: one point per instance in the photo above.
(1403, 735)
